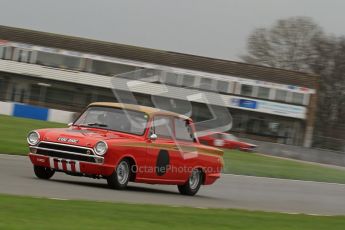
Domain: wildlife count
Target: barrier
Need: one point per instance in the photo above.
(6, 108)
(29, 111)
(35, 112)
(323, 156)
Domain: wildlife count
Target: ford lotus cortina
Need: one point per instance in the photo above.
(127, 143)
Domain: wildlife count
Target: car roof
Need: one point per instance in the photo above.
(148, 110)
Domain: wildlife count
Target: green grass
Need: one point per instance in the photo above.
(39, 213)
(13, 133)
(244, 163)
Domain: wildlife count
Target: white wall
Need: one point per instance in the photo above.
(60, 116)
(6, 108)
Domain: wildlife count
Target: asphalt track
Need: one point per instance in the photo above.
(231, 191)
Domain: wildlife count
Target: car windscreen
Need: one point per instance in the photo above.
(229, 137)
(116, 119)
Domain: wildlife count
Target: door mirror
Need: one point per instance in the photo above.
(153, 137)
(70, 124)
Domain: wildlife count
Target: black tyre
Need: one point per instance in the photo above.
(121, 175)
(43, 172)
(192, 186)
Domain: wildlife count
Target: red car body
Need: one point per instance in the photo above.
(152, 158)
(226, 140)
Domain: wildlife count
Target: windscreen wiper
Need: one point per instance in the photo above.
(97, 124)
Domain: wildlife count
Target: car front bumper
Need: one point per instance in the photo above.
(72, 166)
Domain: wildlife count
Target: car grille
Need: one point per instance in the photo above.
(66, 151)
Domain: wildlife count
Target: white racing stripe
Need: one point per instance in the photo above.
(68, 166)
(60, 164)
(77, 167)
(51, 162)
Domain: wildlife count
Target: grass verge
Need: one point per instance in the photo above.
(251, 164)
(39, 213)
(13, 132)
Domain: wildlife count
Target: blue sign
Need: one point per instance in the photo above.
(249, 104)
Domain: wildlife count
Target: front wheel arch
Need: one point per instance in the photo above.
(121, 175)
(133, 167)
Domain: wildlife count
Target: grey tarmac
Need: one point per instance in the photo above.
(231, 191)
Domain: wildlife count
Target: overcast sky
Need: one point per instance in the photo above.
(215, 28)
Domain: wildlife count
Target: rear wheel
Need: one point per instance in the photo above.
(192, 186)
(43, 172)
(120, 177)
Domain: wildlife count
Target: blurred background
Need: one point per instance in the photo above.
(276, 66)
(292, 95)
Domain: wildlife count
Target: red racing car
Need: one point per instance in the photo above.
(226, 140)
(122, 143)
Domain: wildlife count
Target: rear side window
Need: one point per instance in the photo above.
(183, 130)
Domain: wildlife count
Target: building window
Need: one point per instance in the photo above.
(188, 80)
(58, 61)
(297, 98)
(247, 90)
(59, 96)
(110, 69)
(264, 92)
(281, 95)
(24, 55)
(206, 83)
(2, 51)
(106, 98)
(144, 99)
(171, 78)
(222, 86)
(8, 53)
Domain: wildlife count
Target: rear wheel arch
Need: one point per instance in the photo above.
(203, 174)
(192, 185)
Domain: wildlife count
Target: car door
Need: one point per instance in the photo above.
(162, 153)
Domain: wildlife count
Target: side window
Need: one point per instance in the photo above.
(183, 130)
(162, 127)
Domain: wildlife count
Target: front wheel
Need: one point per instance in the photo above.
(43, 172)
(192, 186)
(120, 177)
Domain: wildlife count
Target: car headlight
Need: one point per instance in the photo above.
(33, 138)
(101, 148)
